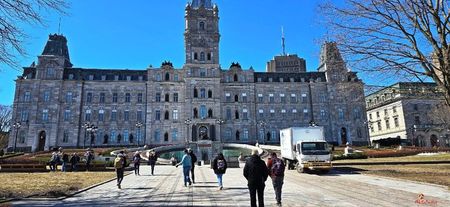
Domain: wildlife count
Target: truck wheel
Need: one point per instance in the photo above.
(299, 168)
(288, 164)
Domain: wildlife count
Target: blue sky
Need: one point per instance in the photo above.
(134, 34)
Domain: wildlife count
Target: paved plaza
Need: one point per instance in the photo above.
(337, 188)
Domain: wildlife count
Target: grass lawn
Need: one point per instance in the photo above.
(429, 173)
(442, 156)
(52, 184)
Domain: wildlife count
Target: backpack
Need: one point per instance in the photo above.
(220, 165)
(118, 163)
(277, 167)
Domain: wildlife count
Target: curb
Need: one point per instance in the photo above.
(392, 163)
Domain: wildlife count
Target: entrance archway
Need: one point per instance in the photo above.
(203, 133)
(343, 136)
(433, 140)
(41, 141)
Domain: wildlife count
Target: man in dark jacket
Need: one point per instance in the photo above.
(194, 160)
(219, 166)
(256, 173)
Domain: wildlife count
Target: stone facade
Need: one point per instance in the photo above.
(287, 64)
(200, 102)
(408, 111)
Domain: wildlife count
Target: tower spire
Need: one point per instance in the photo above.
(283, 46)
(59, 26)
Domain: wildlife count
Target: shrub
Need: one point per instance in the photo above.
(356, 155)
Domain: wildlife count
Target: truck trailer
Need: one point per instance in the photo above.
(305, 148)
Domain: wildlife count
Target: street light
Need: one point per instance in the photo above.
(91, 128)
(413, 134)
(263, 124)
(139, 125)
(187, 122)
(219, 121)
(16, 126)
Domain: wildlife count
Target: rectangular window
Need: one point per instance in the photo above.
(87, 115)
(378, 114)
(370, 116)
(27, 96)
(174, 134)
(245, 136)
(24, 116)
(157, 136)
(305, 114)
(304, 98)
(127, 98)
(175, 77)
(271, 98)
(385, 112)
(175, 97)
(67, 115)
(139, 115)
(261, 113)
(387, 124)
(282, 98)
(202, 111)
(89, 98)
(227, 97)
(126, 136)
(394, 109)
(114, 115)
(341, 114)
(245, 114)
(157, 115)
(126, 115)
(114, 99)
(228, 114)
(260, 98)
(323, 114)
(139, 98)
(158, 97)
(293, 98)
(379, 125)
(46, 96)
(69, 97)
(175, 114)
(101, 115)
(396, 124)
(50, 72)
(45, 115)
(102, 98)
(65, 137)
(202, 93)
(22, 137)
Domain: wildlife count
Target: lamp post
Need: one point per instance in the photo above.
(413, 134)
(16, 126)
(262, 124)
(92, 129)
(139, 125)
(220, 121)
(187, 122)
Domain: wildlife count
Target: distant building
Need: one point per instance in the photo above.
(407, 110)
(201, 101)
(286, 64)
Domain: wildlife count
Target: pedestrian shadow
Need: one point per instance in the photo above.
(205, 182)
(140, 188)
(204, 186)
(235, 188)
(337, 171)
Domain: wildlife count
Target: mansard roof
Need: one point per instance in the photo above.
(108, 74)
(57, 45)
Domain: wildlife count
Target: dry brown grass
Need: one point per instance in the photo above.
(429, 173)
(437, 157)
(52, 184)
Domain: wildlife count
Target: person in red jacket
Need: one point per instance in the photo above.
(276, 171)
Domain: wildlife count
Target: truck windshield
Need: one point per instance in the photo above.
(314, 148)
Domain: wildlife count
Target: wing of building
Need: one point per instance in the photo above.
(62, 105)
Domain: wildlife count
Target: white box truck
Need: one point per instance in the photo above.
(305, 148)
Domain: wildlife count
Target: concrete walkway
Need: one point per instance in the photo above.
(335, 189)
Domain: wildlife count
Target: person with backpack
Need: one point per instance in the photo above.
(119, 164)
(136, 162)
(256, 173)
(187, 164)
(276, 171)
(194, 160)
(219, 167)
(152, 158)
(74, 160)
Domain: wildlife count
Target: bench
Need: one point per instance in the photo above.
(82, 167)
(23, 168)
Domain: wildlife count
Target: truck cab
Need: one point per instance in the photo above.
(313, 155)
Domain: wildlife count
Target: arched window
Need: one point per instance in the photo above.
(235, 78)
(238, 135)
(195, 93)
(166, 115)
(210, 113)
(105, 139)
(119, 138)
(209, 94)
(268, 136)
(195, 113)
(209, 56)
(166, 137)
(202, 93)
(195, 56)
(201, 25)
(202, 56)
(166, 97)
(236, 98)
(131, 138)
(167, 77)
(236, 114)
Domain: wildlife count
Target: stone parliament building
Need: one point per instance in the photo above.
(58, 104)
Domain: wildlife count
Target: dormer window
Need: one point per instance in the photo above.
(50, 72)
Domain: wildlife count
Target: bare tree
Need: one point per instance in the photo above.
(14, 14)
(403, 38)
(5, 124)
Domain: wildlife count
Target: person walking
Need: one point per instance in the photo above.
(152, 158)
(187, 164)
(256, 173)
(89, 157)
(219, 167)
(276, 171)
(119, 164)
(194, 160)
(136, 162)
(74, 160)
(65, 160)
(54, 160)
